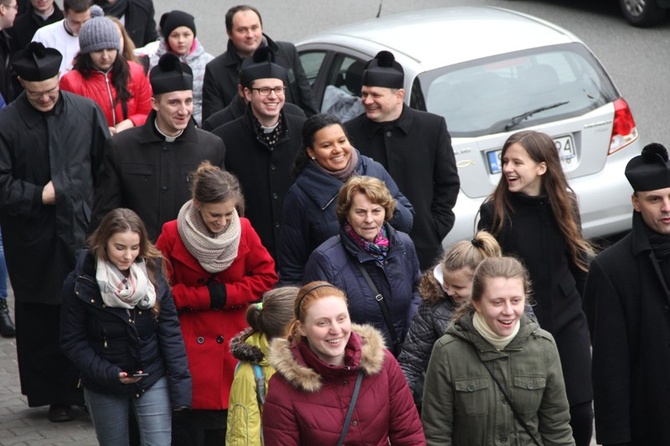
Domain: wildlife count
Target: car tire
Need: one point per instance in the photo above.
(642, 13)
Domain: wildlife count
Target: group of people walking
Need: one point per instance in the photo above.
(280, 279)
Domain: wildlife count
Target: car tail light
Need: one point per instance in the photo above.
(624, 131)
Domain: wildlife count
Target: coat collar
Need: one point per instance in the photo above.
(230, 57)
(395, 245)
(464, 329)
(403, 123)
(148, 134)
(32, 117)
(320, 187)
(249, 347)
(294, 369)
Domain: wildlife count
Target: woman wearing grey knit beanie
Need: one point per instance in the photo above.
(101, 73)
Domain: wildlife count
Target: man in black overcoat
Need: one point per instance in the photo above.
(51, 145)
(244, 26)
(414, 147)
(627, 304)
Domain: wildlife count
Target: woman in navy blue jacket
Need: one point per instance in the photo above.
(367, 242)
(119, 327)
(322, 166)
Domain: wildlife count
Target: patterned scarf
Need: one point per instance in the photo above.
(214, 253)
(377, 249)
(119, 291)
(272, 138)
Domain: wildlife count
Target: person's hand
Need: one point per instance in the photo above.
(49, 193)
(125, 379)
(121, 126)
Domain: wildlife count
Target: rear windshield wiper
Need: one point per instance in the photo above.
(517, 119)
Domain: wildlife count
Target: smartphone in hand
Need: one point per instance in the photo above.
(139, 374)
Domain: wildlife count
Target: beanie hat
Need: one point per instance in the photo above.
(261, 66)
(98, 33)
(170, 75)
(36, 63)
(384, 71)
(649, 170)
(175, 19)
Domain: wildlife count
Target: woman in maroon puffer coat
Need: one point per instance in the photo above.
(316, 370)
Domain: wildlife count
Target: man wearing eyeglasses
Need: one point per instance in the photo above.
(51, 146)
(261, 145)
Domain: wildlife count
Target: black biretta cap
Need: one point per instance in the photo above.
(650, 170)
(261, 66)
(37, 63)
(170, 75)
(384, 71)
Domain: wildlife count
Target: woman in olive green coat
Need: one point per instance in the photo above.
(491, 350)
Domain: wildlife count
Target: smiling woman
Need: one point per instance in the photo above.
(323, 352)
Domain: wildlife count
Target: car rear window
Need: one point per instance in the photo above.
(515, 90)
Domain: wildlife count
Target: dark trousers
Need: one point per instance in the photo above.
(47, 376)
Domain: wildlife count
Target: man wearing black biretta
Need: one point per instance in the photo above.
(627, 302)
(51, 145)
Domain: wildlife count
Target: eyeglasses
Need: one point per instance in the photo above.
(39, 94)
(265, 91)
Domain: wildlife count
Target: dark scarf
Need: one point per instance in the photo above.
(660, 244)
(117, 9)
(377, 249)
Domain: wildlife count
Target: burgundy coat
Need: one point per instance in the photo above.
(308, 399)
(207, 332)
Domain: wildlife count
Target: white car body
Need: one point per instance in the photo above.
(445, 51)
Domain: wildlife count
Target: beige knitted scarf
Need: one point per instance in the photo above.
(214, 252)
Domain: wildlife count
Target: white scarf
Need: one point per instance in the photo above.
(497, 341)
(119, 291)
(214, 253)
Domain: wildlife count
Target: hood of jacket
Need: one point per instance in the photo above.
(253, 349)
(431, 290)
(303, 377)
(464, 329)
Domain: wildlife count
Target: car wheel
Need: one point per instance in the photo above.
(642, 13)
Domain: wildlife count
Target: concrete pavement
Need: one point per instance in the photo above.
(24, 426)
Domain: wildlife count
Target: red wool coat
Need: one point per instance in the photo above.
(101, 91)
(207, 333)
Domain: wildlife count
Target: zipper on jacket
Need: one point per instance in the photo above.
(111, 98)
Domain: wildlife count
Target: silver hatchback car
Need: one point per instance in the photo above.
(491, 72)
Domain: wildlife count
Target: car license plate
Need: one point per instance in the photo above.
(564, 144)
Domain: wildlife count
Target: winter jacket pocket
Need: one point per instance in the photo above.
(472, 396)
(527, 393)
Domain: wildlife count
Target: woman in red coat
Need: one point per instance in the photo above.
(101, 73)
(317, 369)
(218, 267)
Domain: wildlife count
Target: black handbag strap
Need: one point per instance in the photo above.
(509, 402)
(350, 412)
(386, 313)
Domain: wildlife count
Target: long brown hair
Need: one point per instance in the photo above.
(121, 220)
(562, 199)
(213, 185)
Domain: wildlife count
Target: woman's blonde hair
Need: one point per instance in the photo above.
(467, 254)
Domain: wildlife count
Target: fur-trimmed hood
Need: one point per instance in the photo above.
(247, 347)
(301, 376)
(430, 289)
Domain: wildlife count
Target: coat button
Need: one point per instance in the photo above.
(530, 386)
(503, 439)
(355, 423)
(345, 382)
(201, 281)
(219, 339)
(471, 388)
(200, 340)
(389, 134)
